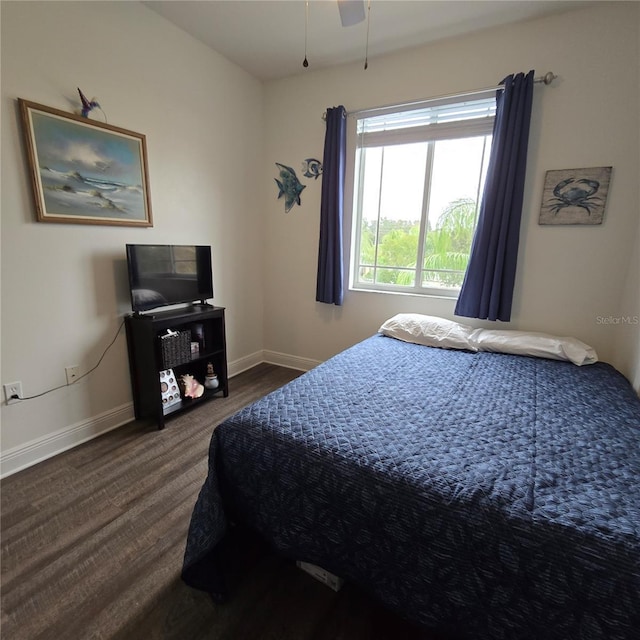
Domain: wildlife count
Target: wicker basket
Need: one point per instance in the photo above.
(176, 348)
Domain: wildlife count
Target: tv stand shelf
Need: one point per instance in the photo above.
(206, 326)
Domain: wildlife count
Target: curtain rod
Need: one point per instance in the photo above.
(546, 79)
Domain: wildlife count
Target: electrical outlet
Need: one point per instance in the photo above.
(12, 389)
(72, 372)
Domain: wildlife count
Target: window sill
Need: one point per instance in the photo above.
(427, 293)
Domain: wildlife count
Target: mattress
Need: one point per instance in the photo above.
(483, 494)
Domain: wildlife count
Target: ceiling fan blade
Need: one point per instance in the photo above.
(351, 12)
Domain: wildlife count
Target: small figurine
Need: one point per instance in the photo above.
(211, 379)
(88, 105)
(192, 388)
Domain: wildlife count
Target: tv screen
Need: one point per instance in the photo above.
(163, 274)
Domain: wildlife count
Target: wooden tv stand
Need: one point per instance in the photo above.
(148, 358)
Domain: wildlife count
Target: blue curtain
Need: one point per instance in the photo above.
(487, 290)
(329, 287)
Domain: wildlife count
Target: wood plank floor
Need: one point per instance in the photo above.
(93, 539)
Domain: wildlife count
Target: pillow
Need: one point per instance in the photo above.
(526, 343)
(430, 331)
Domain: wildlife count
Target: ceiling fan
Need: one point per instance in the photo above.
(351, 12)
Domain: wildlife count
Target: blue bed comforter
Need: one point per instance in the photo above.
(488, 495)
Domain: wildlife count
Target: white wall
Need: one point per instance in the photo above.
(64, 286)
(628, 325)
(568, 277)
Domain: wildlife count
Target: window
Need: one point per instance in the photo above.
(418, 181)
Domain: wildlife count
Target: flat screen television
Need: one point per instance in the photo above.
(165, 274)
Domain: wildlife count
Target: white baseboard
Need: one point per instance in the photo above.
(242, 364)
(26, 455)
(291, 362)
(271, 357)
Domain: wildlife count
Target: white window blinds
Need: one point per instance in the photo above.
(436, 121)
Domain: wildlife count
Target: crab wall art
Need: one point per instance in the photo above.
(575, 196)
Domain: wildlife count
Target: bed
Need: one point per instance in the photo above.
(483, 494)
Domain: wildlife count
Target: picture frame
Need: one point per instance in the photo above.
(84, 171)
(575, 196)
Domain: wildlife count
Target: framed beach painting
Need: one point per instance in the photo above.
(84, 171)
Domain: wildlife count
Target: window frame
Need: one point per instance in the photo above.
(429, 133)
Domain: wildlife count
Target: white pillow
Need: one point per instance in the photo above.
(526, 343)
(430, 331)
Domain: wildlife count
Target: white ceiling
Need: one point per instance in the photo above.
(267, 37)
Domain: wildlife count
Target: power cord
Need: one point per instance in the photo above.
(84, 375)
